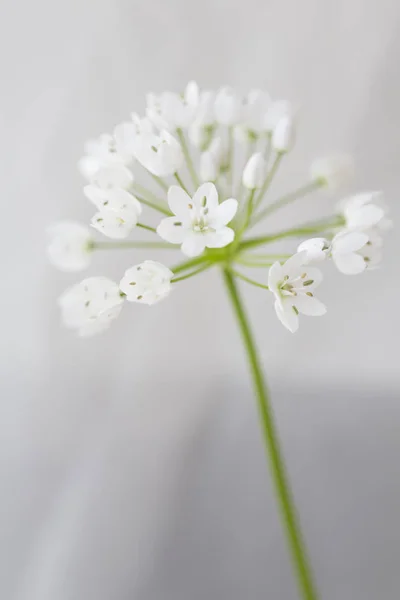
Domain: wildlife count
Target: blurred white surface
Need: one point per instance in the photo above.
(93, 433)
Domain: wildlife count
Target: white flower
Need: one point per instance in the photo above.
(209, 167)
(91, 305)
(372, 251)
(255, 109)
(317, 249)
(203, 124)
(146, 283)
(283, 134)
(254, 172)
(333, 172)
(70, 247)
(200, 222)
(293, 284)
(126, 134)
(363, 211)
(277, 110)
(118, 211)
(171, 111)
(111, 177)
(99, 153)
(346, 250)
(160, 154)
(227, 107)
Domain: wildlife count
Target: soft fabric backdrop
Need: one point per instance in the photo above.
(131, 464)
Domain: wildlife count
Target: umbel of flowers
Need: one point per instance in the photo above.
(212, 157)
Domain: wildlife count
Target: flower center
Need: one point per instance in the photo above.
(295, 285)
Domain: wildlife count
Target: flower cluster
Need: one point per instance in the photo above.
(212, 156)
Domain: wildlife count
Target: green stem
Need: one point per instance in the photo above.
(187, 264)
(154, 206)
(188, 158)
(136, 187)
(179, 180)
(268, 179)
(199, 270)
(160, 182)
(248, 280)
(306, 229)
(130, 245)
(286, 504)
(147, 227)
(253, 263)
(297, 194)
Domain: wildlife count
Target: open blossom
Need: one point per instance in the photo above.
(146, 283)
(293, 285)
(70, 247)
(90, 306)
(199, 222)
(127, 134)
(111, 177)
(363, 211)
(160, 154)
(332, 171)
(349, 251)
(99, 153)
(172, 111)
(118, 212)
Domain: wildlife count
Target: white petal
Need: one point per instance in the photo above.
(209, 192)
(170, 232)
(315, 275)
(314, 248)
(275, 276)
(96, 195)
(114, 176)
(287, 316)
(193, 244)
(310, 306)
(220, 238)
(178, 201)
(115, 224)
(294, 263)
(351, 241)
(366, 217)
(349, 264)
(224, 213)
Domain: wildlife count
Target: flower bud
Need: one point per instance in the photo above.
(333, 172)
(283, 135)
(208, 167)
(254, 172)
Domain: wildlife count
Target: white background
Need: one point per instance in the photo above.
(97, 435)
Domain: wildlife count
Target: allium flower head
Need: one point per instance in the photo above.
(199, 222)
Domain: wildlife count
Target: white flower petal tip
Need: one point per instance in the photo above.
(147, 283)
(70, 247)
(254, 172)
(363, 211)
(199, 222)
(317, 249)
(160, 154)
(90, 306)
(283, 136)
(333, 172)
(293, 285)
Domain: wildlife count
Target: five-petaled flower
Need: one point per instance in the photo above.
(199, 222)
(293, 285)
